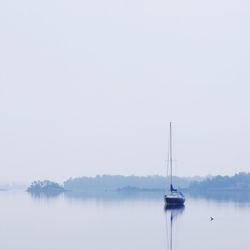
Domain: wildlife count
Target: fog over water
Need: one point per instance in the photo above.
(89, 87)
(120, 222)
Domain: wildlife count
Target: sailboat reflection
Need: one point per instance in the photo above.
(172, 212)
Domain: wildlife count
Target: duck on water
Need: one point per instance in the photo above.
(174, 197)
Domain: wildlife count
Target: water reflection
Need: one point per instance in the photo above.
(46, 195)
(137, 220)
(222, 196)
(105, 196)
(113, 196)
(172, 213)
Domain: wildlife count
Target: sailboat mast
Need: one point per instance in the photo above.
(170, 152)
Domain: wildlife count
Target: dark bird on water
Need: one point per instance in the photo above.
(211, 218)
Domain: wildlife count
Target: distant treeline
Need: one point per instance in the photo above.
(45, 187)
(129, 184)
(238, 182)
(118, 182)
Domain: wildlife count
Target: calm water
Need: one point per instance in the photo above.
(120, 222)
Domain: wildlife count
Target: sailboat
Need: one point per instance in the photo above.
(174, 197)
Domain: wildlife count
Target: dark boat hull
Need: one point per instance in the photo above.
(174, 201)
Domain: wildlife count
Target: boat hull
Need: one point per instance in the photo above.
(174, 201)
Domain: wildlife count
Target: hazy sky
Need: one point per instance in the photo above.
(89, 87)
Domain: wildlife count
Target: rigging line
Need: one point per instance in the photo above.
(168, 162)
(170, 150)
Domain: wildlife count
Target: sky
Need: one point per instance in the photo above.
(89, 87)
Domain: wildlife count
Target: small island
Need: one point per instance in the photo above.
(45, 187)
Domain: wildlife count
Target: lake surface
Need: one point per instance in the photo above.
(116, 221)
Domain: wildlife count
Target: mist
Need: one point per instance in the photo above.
(89, 88)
